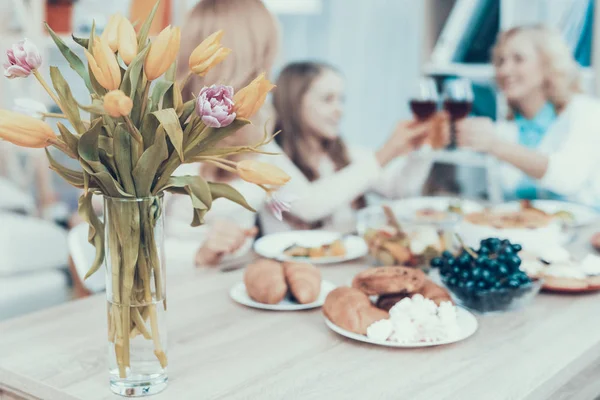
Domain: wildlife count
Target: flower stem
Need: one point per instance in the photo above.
(48, 89)
(222, 166)
(185, 80)
(145, 99)
(217, 159)
(62, 146)
(134, 132)
(54, 115)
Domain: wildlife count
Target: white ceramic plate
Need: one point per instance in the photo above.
(273, 246)
(240, 295)
(583, 215)
(466, 321)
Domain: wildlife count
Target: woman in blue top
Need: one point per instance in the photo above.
(551, 139)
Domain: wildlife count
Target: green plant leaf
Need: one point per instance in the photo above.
(149, 127)
(196, 184)
(219, 190)
(143, 33)
(122, 152)
(187, 110)
(95, 232)
(67, 100)
(211, 136)
(148, 164)
(96, 108)
(170, 122)
(83, 42)
(74, 178)
(158, 92)
(69, 138)
(131, 79)
(74, 61)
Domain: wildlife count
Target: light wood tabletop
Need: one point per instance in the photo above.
(219, 349)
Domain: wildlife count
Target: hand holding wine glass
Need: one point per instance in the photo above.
(458, 101)
(424, 99)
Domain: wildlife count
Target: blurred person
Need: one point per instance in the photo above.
(252, 32)
(330, 177)
(550, 142)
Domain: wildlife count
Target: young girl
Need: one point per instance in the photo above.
(328, 177)
(551, 141)
(252, 33)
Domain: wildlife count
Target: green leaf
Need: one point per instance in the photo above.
(95, 232)
(69, 138)
(158, 91)
(187, 110)
(133, 73)
(196, 184)
(83, 42)
(211, 136)
(149, 127)
(67, 100)
(148, 164)
(96, 108)
(122, 152)
(143, 34)
(92, 37)
(74, 178)
(106, 144)
(74, 62)
(219, 190)
(170, 122)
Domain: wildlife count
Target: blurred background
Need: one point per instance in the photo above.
(382, 47)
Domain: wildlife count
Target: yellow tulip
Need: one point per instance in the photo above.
(117, 104)
(163, 52)
(208, 54)
(261, 173)
(121, 37)
(251, 98)
(104, 65)
(25, 131)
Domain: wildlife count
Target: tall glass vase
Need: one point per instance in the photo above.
(136, 295)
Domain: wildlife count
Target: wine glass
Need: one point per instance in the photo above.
(458, 101)
(424, 99)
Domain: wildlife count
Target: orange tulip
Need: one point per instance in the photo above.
(251, 98)
(104, 65)
(163, 52)
(261, 173)
(117, 104)
(208, 54)
(121, 37)
(25, 131)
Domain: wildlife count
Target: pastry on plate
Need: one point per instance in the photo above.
(351, 309)
(388, 280)
(429, 290)
(303, 281)
(265, 281)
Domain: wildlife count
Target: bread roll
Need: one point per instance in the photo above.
(389, 280)
(303, 280)
(352, 310)
(265, 281)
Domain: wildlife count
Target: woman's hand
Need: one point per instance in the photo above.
(407, 136)
(224, 237)
(477, 133)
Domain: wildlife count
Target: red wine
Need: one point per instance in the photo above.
(458, 108)
(423, 109)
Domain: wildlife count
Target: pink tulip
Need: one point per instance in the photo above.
(214, 105)
(280, 202)
(23, 58)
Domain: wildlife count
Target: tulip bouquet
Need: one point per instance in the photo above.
(138, 133)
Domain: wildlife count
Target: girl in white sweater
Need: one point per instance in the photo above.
(329, 178)
(551, 142)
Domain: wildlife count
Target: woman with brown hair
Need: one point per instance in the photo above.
(253, 35)
(328, 177)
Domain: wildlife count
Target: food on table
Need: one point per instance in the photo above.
(351, 309)
(265, 281)
(268, 281)
(333, 249)
(596, 241)
(303, 280)
(564, 216)
(524, 219)
(429, 290)
(488, 279)
(417, 319)
(387, 280)
(566, 274)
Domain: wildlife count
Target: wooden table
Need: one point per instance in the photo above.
(221, 350)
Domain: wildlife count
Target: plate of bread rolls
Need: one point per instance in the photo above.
(281, 286)
(315, 247)
(397, 307)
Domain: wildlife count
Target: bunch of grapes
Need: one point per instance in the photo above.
(487, 278)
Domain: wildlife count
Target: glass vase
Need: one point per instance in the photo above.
(136, 295)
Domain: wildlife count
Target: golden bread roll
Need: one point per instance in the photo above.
(265, 281)
(389, 280)
(435, 292)
(303, 280)
(352, 310)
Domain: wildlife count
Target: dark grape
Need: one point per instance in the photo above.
(517, 248)
(461, 284)
(505, 242)
(502, 259)
(502, 270)
(481, 261)
(445, 271)
(514, 261)
(514, 283)
(456, 270)
(450, 262)
(469, 285)
(493, 265)
(452, 281)
(437, 262)
(487, 276)
(465, 274)
(482, 285)
(465, 259)
(483, 251)
(493, 244)
(446, 254)
(498, 284)
(507, 251)
(476, 272)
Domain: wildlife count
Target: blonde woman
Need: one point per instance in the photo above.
(253, 35)
(551, 140)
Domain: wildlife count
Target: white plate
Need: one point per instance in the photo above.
(466, 321)
(439, 203)
(240, 295)
(272, 246)
(584, 215)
